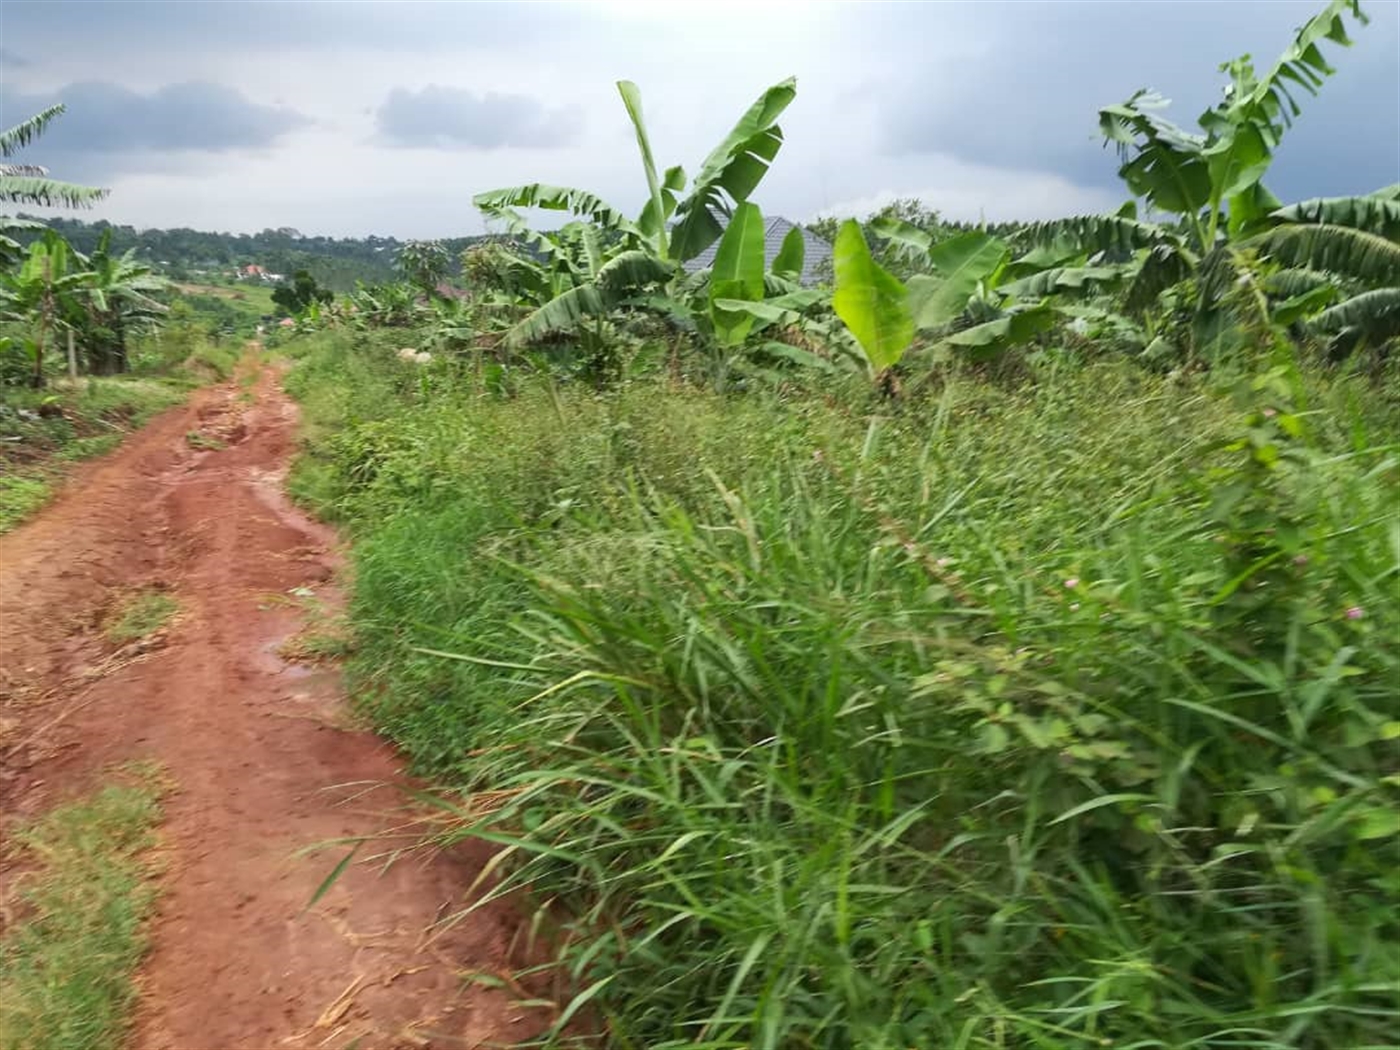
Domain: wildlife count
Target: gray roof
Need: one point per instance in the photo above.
(775, 229)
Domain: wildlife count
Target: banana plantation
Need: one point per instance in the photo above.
(1200, 263)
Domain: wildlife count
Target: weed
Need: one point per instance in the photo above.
(212, 362)
(318, 645)
(88, 447)
(141, 615)
(67, 963)
(20, 497)
(197, 440)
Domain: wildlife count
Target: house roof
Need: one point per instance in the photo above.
(775, 230)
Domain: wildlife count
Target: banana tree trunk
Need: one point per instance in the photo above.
(37, 379)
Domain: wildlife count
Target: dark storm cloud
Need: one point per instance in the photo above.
(448, 117)
(107, 126)
(1029, 98)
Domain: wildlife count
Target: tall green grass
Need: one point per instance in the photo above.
(1050, 716)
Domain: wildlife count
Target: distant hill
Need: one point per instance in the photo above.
(183, 254)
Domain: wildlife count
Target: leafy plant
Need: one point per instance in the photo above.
(30, 183)
(118, 296)
(1213, 183)
(46, 289)
(883, 313)
(873, 303)
(627, 257)
(424, 264)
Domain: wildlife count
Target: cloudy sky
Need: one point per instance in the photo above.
(351, 118)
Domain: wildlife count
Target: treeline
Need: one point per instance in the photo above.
(183, 254)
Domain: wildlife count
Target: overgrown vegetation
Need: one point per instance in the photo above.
(74, 906)
(999, 648)
(1042, 693)
(1037, 714)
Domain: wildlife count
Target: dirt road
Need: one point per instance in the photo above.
(262, 754)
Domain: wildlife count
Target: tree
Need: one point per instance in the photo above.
(302, 292)
(30, 183)
(116, 294)
(424, 264)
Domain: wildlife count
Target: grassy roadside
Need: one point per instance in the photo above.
(1047, 714)
(43, 432)
(72, 936)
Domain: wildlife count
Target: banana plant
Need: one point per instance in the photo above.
(393, 305)
(1338, 262)
(43, 291)
(740, 299)
(117, 296)
(646, 252)
(585, 277)
(958, 305)
(30, 183)
(1210, 183)
(727, 177)
(969, 299)
(1214, 181)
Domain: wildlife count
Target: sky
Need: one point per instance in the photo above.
(387, 116)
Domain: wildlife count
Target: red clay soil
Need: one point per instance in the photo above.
(263, 757)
